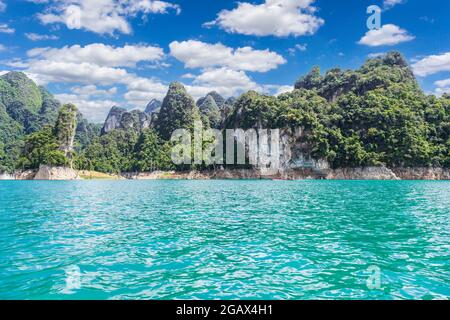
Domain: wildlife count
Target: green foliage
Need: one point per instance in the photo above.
(210, 112)
(178, 111)
(17, 87)
(41, 147)
(373, 116)
(152, 153)
(376, 115)
(110, 153)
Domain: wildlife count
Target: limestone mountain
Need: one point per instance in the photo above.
(120, 118)
(178, 111)
(373, 116)
(153, 106)
(210, 112)
(26, 108)
(380, 72)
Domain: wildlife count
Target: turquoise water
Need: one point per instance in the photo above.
(224, 240)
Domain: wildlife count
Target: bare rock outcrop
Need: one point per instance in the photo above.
(368, 173)
(56, 173)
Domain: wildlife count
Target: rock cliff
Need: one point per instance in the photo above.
(56, 173)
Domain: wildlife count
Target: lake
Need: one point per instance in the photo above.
(224, 240)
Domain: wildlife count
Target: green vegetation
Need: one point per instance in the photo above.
(376, 115)
(178, 111)
(41, 148)
(51, 145)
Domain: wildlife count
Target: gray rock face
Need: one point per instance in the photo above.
(218, 99)
(56, 173)
(153, 106)
(119, 118)
(211, 112)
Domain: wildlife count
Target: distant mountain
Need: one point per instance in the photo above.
(215, 108)
(120, 118)
(26, 108)
(153, 106)
(178, 111)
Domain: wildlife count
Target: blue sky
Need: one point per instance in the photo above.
(99, 53)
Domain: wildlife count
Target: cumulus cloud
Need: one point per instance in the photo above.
(100, 54)
(443, 83)
(278, 18)
(4, 28)
(225, 81)
(94, 110)
(103, 16)
(388, 35)
(197, 54)
(91, 69)
(432, 64)
(142, 90)
(283, 89)
(38, 37)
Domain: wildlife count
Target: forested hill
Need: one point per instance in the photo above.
(26, 108)
(373, 116)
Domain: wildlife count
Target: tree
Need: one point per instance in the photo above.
(152, 153)
(41, 147)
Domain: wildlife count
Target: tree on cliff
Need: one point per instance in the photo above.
(65, 129)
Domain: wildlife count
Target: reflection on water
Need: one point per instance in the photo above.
(224, 239)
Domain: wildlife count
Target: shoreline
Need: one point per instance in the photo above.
(367, 173)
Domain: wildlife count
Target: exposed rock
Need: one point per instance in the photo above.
(119, 118)
(422, 173)
(153, 106)
(112, 122)
(218, 99)
(7, 176)
(210, 112)
(56, 173)
(24, 175)
(369, 173)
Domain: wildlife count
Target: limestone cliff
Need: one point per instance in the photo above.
(56, 173)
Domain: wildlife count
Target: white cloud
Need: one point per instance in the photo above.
(284, 89)
(298, 47)
(388, 4)
(2, 48)
(94, 110)
(93, 91)
(100, 54)
(432, 64)
(4, 28)
(97, 65)
(2, 6)
(102, 16)
(443, 83)
(197, 54)
(375, 55)
(225, 81)
(388, 35)
(142, 90)
(38, 37)
(279, 18)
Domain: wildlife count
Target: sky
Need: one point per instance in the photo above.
(100, 53)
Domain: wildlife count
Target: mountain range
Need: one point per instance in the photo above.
(376, 115)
